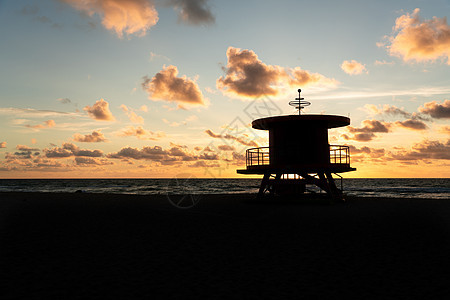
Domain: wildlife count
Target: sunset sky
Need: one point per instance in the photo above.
(138, 88)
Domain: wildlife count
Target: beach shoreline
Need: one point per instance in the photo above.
(81, 245)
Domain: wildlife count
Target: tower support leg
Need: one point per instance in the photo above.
(335, 192)
(263, 186)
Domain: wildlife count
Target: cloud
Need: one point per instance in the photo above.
(184, 122)
(204, 164)
(32, 10)
(360, 137)
(425, 150)
(155, 55)
(209, 156)
(83, 161)
(383, 63)
(132, 115)
(420, 41)
(299, 77)
(372, 152)
(26, 160)
(176, 154)
(412, 124)
(57, 152)
(155, 153)
(353, 67)
(129, 17)
(141, 133)
(226, 148)
(47, 124)
(387, 109)
(25, 152)
(371, 126)
(69, 149)
(238, 157)
(392, 110)
(43, 164)
(26, 148)
(367, 132)
(193, 12)
(94, 137)
(444, 129)
(247, 76)
(436, 110)
(100, 111)
(35, 164)
(165, 85)
(241, 140)
(377, 93)
(2, 144)
(64, 100)
(30, 112)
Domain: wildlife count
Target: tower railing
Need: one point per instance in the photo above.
(339, 155)
(257, 156)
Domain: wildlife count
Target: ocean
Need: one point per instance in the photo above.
(431, 188)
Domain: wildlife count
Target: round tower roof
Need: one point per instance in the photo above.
(330, 121)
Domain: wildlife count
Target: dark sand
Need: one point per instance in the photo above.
(87, 246)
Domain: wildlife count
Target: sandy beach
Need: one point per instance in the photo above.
(87, 246)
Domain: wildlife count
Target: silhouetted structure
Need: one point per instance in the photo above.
(298, 153)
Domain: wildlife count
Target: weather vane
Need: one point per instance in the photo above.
(299, 103)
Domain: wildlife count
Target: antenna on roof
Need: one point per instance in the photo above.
(299, 102)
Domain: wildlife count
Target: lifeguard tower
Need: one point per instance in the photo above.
(299, 153)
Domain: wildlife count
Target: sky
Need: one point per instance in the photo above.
(169, 88)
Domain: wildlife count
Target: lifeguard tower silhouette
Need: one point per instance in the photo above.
(299, 153)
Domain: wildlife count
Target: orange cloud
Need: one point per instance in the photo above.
(94, 137)
(387, 109)
(26, 148)
(50, 123)
(176, 154)
(47, 124)
(85, 161)
(299, 77)
(353, 67)
(437, 110)
(203, 164)
(247, 76)
(371, 126)
(367, 132)
(412, 124)
(165, 85)
(130, 16)
(165, 157)
(417, 40)
(393, 110)
(132, 115)
(425, 150)
(241, 140)
(2, 144)
(374, 152)
(69, 149)
(141, 133)
(444, 129)
(100, 111)
(226, 148)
